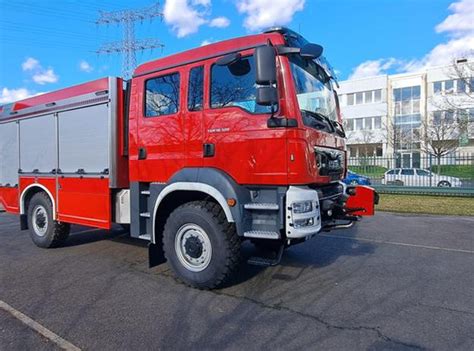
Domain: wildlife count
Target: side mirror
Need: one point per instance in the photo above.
(267, 96)
(265, 65)
(311, 51)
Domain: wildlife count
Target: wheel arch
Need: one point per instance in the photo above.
(29, 192)
(176, 194)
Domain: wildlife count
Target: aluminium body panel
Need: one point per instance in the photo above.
(9, 156)
(84, 139)
(38, 144)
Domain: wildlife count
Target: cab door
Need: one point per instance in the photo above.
(193, 130)
(236, 137)
(160, 128)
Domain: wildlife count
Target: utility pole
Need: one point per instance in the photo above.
(129, 45)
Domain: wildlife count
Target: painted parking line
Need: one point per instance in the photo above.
(56, 339)
(396, 243)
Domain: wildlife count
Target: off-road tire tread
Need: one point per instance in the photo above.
(233, 257)
(60, 230)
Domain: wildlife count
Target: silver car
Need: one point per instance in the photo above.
(418, 177)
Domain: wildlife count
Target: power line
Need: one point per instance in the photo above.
(129, 46)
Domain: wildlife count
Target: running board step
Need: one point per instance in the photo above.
(267, 261)
(260, 234)
(145, 237)
(261, 206)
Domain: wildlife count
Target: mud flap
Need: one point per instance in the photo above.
(362, 201)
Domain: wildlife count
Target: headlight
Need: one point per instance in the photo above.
(302, 207)
(303, 222)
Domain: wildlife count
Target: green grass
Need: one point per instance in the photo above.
(370, 171)
(437, 205)
(462, 171)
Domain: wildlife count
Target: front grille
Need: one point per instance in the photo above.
(330, 162)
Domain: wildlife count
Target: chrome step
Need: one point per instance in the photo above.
(145, 237)
(145, 192)
(145, 214)
(260, 234)
(261, 206)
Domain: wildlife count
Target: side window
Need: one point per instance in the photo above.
(196, 88)
(392, 171)
(408, 172)
(234, 85)
(162, 95)
(422, 172)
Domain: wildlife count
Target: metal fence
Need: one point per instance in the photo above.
(415, 173)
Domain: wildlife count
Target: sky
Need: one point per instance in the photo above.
(48, 45)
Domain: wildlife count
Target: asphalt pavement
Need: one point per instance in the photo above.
(392, 282)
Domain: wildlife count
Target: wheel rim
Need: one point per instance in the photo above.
(40, 220)
(444, 184)
(193, 247)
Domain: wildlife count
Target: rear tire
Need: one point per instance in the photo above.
(201, 247)
(44, 230)
(444, 184)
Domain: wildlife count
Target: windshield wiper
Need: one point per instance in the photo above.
(339, 128)
(321, 118)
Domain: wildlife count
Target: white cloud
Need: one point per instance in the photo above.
(39, 74)
(372, 68)
(11, 95)
(186, 16)
(459, 29)
(30, 64)
(207, 42)
(219, 22)
(45, 76)
(461, 21)
(85, 66)
(261, 14)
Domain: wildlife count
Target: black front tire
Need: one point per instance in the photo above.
(44, 230)
(223, 239)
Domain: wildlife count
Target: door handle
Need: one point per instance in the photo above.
(208, 150)
(142, 153)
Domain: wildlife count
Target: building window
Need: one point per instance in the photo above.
(162, 95)
(368, 97)
(377, 122)
(196, 88)
(350, 99)
(407, 100)
(359, 98)
(437, 87)
(379, 151)
(449, 86)
(460, 86)
(359, 123)
(378, 95)
(368, 123)
(349, 124)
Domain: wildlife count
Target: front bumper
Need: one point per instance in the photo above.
(326, 211)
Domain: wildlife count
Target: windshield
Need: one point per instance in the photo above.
(313, 88)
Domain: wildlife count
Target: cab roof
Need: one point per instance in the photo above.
(211, 50)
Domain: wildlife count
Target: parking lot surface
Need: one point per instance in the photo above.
(392, 282)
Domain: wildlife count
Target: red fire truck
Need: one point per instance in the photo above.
(199, 151)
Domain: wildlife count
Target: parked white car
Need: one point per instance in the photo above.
(418, 177)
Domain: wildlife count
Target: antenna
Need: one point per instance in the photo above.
(129, 45)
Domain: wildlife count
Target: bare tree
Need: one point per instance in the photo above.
(441, 134)
(451, 121)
